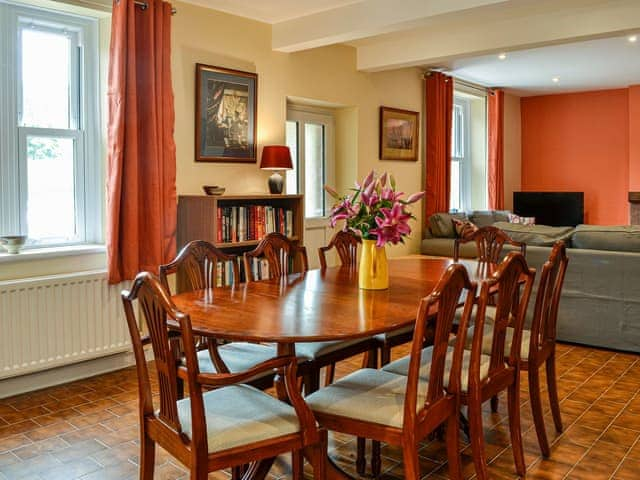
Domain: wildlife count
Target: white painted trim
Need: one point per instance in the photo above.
(32, 254)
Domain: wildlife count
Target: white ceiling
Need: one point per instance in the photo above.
(589, 65)
(272, 11)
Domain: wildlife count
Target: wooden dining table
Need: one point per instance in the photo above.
(316, 306)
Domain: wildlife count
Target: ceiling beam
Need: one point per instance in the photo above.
(364, 19)
(529, 25)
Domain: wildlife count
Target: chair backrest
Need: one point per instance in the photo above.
(512, 284)
(545, 313)
(280, 253)
(197, 266)
(346, 244)
(489, 241)
(164, 322)
(442, 302)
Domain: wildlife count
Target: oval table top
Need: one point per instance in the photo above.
(317, 305)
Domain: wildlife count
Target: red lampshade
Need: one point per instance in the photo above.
(276, 157)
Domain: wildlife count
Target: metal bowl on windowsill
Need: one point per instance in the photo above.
(13, 243)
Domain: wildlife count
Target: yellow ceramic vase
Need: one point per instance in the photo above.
(373, 273)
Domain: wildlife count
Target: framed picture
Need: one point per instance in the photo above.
(398, 134)
(226, 105)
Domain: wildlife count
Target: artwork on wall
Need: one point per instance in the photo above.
(398, 134)
(226, 105)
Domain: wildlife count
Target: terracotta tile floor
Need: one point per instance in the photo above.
(88, 429)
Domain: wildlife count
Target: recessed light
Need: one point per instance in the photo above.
(632, 38)
(555, 79)
(502, 56)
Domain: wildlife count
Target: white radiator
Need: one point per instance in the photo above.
(47, 322)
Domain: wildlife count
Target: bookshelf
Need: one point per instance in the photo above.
(236, 223)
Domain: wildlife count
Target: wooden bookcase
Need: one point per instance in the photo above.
(197, 217)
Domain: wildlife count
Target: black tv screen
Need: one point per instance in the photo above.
(557, 209)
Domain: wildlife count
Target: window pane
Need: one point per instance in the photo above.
(46, 79)
(314, 169)
(50, 189)
(454, 200)
(292, 143)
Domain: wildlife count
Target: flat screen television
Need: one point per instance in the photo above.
(557, 209)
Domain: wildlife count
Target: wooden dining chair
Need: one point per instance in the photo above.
(484, 375)
(539, 343)
(489, 241)
(231, 425)
(346, 244)
(196, 267)
(403, 410)
(280, 253)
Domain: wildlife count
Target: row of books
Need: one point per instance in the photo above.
(259, 271)
(252, 222)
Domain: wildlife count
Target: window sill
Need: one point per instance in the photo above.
(31, 254)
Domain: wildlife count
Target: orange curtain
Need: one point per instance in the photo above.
(141, 164)
(496, 150)
(439, 111)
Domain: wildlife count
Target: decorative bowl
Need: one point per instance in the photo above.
(213, 189)
(13, 243)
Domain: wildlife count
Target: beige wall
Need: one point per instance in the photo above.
(328, 75)
(512, 149)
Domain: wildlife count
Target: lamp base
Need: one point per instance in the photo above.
(276, 183)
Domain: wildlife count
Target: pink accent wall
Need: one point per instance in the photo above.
(580, 142)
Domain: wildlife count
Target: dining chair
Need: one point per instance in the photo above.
(539, 342)
(231, 425)
(280, 253)
(484, 375)
(196, 267)
(403, 410)
(346, 244)
(489, 241)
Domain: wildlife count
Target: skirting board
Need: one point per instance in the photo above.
(68, 373)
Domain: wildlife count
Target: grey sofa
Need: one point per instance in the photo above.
(600, 304)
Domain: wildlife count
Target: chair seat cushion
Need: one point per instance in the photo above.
(487, 341)
(401, 366)
(240, 415)
(237, 356)
(383, 337)
(369, 395)
(314, 350)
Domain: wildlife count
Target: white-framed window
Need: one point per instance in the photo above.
(310, 137)
(460, 197)
(50, 163)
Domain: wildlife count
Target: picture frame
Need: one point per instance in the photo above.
(399, 134)
(226, 115)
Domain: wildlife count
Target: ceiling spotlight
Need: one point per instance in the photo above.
(632, 38)
(502, 56)
(555, 79)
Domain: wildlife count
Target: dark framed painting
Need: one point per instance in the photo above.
(226, 106)
(398, 134)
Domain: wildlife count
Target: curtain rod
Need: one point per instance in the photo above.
(464, 83)
(145, 5)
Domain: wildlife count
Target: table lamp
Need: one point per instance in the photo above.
(276, 157)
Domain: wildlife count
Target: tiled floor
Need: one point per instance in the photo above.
(88, 429)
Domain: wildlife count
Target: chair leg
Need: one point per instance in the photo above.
(361, 459)
(297, 465)
(513, 403)
(536, 409)
(411, 464)
(552, 386)
(385, 355)
(317, 455)
(453, 446)
(329, 374)
(180, 388)
(376, 461)
(147, 457)
(494, 404)
(311, 381)
(476, 435)
(370, 359)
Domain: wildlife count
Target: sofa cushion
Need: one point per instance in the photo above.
(443, 247)
(542, 235)
(623, 238)
(485, 218)
(441, 224)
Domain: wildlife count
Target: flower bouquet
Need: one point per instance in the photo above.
(378, 214)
